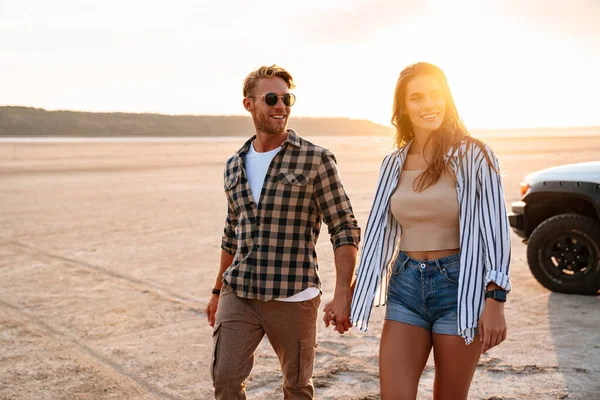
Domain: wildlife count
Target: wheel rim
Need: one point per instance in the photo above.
(569, 257)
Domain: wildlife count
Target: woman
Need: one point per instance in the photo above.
(447, 277)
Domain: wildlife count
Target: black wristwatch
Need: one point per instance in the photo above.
(496, 294)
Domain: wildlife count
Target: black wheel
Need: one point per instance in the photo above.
(563, 254)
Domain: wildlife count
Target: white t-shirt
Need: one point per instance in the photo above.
(257, 164)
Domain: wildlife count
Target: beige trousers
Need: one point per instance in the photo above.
(240, 326)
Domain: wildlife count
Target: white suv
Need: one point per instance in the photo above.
(559, 218)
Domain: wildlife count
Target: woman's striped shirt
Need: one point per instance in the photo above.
(484, 236)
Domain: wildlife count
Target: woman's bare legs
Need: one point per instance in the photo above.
(403, 353)
(455, 364)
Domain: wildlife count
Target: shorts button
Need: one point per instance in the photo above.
(422, 265)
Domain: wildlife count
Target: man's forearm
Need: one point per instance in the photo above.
(345, 261)
(226, 260)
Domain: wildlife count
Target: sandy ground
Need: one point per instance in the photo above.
(108, 252)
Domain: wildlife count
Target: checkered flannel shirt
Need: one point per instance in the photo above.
(274, 244)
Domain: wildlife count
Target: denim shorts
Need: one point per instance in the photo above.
(425, 293)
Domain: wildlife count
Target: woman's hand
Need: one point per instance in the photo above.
(492, 325)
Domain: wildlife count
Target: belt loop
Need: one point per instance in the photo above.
(438, 265)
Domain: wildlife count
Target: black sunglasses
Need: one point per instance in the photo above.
(272, 98)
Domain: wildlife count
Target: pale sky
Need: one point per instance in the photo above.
(510, 63)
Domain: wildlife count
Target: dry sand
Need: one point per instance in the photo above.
(108, 252)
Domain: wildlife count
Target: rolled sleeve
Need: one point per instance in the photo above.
(335, 205)
(499, 278)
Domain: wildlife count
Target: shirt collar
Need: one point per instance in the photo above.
(292, 138)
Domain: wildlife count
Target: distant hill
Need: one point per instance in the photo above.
(36, 122)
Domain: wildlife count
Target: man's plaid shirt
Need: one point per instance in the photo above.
(274, 244)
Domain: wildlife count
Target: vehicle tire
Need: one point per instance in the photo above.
(563, 254)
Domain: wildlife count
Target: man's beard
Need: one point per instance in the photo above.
(264, 124)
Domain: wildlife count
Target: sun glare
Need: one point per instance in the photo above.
(507, 66)
(498, 70)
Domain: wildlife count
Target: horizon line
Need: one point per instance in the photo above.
(294, 116)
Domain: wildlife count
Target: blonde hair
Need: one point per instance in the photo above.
(263, 72)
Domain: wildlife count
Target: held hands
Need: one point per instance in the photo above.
(337, 312)
(492, 326)
(211, 309)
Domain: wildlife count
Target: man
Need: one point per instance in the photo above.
(278, 187)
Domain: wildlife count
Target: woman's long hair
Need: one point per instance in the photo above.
(448, 136)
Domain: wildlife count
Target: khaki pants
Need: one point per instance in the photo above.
(240, 326)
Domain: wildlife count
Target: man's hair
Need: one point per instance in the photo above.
(266, 72)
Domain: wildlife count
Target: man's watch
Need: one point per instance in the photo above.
(496, 294)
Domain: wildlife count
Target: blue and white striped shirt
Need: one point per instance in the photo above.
(484, 236)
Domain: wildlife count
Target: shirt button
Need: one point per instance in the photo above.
(256, 246)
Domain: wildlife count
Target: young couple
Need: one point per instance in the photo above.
(436, 245)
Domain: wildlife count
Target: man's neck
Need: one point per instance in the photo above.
(265, 142)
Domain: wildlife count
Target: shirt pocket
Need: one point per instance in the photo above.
(288, 178)
(292, 191)
(231, 182)
(235, 194)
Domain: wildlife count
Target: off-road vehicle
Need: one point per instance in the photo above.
(559, 218)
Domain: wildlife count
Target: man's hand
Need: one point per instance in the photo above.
(337, 312)
(213, 303)
(492, 326)
(211, 309)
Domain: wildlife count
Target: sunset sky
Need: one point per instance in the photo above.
(510, 63)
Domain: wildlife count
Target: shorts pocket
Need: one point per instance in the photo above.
(306, 360)
(398, 267)
(215, 336)
(451, 274)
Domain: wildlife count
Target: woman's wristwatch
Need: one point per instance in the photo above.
(496, 294)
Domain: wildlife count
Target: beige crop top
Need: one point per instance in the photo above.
(429, 219)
